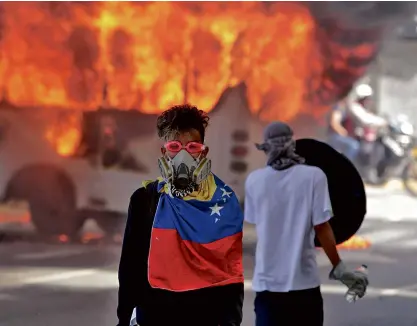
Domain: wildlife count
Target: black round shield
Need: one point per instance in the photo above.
(346, 188)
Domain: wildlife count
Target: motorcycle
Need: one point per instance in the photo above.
(388, 150)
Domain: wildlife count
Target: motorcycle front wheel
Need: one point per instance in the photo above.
(409, 177)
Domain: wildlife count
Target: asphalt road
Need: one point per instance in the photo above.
(47, 284)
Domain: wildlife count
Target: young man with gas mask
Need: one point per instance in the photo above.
(181, 260)
(289, 203)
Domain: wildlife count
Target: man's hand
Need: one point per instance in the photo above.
(342, 132)
(358, 290)
(354, 280)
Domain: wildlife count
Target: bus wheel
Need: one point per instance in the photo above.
(51, 198)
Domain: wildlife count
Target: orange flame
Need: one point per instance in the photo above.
(153, 55)
(355, 242)
(65, 134)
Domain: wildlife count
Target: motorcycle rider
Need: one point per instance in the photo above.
(349, 116)
(364, 116)
(341, 131)
(361, 107)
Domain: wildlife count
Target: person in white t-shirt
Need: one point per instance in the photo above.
(289, 204)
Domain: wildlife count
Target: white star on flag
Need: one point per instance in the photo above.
(216, 220)
(216, 209)
(225, 193)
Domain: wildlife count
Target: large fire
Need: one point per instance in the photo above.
(148, 56)
(154, 55)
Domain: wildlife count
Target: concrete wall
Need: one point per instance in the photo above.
(394, 78)
(398, 97)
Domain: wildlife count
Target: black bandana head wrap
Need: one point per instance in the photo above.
(279, 146)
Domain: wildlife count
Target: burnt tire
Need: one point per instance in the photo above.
(51, 198)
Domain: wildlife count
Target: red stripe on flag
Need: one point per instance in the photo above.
(178, 265)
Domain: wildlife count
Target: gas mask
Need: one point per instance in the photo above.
(183, 172)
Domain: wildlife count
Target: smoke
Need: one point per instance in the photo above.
(356, 30)
(362, 15)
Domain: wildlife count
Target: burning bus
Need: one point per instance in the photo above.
(82, 84)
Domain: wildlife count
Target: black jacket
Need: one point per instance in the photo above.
(215, 306)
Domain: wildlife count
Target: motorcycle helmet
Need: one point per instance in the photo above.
(362, 92)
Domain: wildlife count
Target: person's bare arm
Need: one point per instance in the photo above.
(365, 117)
(336, 123)
(327, 240)
(322, 213)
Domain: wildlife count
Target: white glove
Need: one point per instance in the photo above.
(358, 290)
(352, 279)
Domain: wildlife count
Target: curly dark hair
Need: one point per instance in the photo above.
(180, 118)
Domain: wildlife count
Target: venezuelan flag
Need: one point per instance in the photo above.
(196, 241)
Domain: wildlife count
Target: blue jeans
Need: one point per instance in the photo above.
(346, 145)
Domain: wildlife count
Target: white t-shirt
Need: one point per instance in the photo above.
(285, 206)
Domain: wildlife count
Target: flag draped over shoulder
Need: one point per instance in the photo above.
(196, 241)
